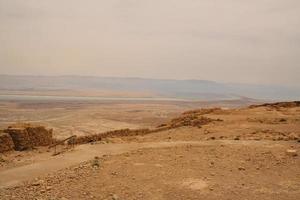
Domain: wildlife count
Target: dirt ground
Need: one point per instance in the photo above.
(247, 170)
(84, 118)
(246, 154)
(68, 118)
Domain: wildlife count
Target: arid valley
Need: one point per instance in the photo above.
(190, 150)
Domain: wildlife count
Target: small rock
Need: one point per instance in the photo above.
(48, 188)
(237, 138)
(241, 168)
(115, 197)
(96, 162)
(2, 160)
(291, 152)
(37, 183)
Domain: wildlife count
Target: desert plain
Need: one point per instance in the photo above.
(199, 150)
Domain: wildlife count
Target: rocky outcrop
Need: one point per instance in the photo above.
(204, 111)
(193, 118)
(278, 105)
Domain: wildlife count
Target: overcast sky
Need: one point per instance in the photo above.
(249, 41)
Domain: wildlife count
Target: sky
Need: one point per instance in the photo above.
(246, 41)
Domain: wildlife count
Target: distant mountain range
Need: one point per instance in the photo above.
(185, 89)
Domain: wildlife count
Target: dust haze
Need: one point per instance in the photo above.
(229, 41)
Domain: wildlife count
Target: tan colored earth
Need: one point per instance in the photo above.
(248, 153)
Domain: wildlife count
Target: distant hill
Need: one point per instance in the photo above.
(187, 89)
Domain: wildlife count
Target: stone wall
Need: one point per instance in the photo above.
(28, 137)
(6, 142)
(20, 138)
(40, 136)
(115, 133)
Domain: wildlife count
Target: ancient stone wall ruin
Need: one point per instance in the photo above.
(40, 136)
(27, 137)
(20, 138)
(6, 142)
(115, 133)
(193, 118)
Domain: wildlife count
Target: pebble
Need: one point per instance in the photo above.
(237, 138)
(291, 152)
(37, 183)
(48, 188)
(241, 168)
(115, 197)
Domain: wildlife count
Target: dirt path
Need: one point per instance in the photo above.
(11, 177)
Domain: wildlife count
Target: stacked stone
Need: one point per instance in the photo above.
(6, 142)
(115, 133)
(40, 136)
(28, 137)
(20, 138)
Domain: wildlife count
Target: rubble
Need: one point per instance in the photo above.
(192, 118)
(278, 105)
(204, 111)
(115, 133)
(186, 119)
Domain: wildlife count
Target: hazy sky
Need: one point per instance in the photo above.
(251, 41)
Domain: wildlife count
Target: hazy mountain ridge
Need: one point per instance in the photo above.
(191, 89)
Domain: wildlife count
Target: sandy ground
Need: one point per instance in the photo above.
(76, 118)
(89, 117)
(207, 170)
(247, 154)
